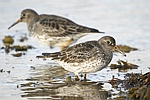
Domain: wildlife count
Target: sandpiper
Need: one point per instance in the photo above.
(53, 30)
(90, 56)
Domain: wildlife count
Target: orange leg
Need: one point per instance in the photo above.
(84, 76)
(66, 44)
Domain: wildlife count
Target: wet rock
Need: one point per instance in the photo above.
(138, 80)
(139, 86)
(136, 84)
(8, 40)
(40, 57)
(141, 93)
(17, 55)
(68, 81)
(20, 48)
(126, 48)
(123, 65)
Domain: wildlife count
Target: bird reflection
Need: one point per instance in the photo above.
(46, 82)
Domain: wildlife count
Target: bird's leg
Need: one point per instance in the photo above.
(66, 44)
(84, 76)
(76, 78)
(63, 47)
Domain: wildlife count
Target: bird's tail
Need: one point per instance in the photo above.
(47, 55)
(95, 30)
(51, 55)
(88, 30)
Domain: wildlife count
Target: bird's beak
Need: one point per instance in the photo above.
(20, 20)
(118, 50)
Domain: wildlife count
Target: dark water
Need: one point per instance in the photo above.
(27, 77)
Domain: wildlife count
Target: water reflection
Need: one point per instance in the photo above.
(47, 82)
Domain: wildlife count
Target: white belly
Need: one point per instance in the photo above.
(52, 41)
(85, 67)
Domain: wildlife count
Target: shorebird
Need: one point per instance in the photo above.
(53, 30)
(90, 56)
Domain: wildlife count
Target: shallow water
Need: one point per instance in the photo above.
(27, 77)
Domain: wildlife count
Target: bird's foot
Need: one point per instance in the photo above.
(84, 77)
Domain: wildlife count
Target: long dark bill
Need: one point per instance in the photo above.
(15, 23)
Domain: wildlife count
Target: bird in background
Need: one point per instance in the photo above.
(87, 57)
(53, 30)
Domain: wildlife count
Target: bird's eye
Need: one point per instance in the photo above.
(23, 15)
(108, 42)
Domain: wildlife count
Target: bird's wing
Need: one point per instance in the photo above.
(59, 26)
(78, 53)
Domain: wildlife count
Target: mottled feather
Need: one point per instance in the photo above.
(59, 26)
(77, 53)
